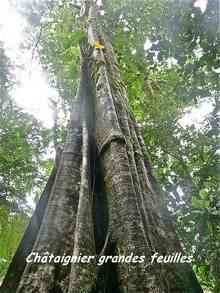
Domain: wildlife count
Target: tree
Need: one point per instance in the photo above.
(185, 160)
(23, 141)
(104, 196)
(22, 144)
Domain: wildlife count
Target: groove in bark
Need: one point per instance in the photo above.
(82, 276)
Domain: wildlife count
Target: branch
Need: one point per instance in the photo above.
(76, 6)
(37, 42)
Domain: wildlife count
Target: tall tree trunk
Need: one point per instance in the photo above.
(104, 198)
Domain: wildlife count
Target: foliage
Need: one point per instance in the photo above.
(11, 230)
(23, 143)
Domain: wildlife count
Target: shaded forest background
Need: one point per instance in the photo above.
(169, 56)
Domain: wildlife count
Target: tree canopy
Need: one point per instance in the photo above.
(22, 163)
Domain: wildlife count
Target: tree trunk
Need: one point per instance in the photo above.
(104, 199)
